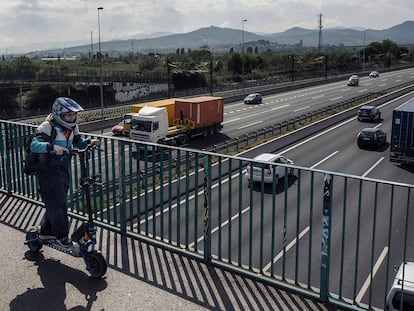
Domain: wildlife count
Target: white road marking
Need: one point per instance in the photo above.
(256, 113)
(366, 284)
(316, 97)
(301, 109)
(247, 125)
(372, 167)
(291, 244)
(324, 159)
(234, 217)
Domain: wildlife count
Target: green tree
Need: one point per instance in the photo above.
(23, 68)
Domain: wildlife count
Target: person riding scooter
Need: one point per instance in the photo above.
(53, 174)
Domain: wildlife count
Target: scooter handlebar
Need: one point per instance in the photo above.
(89, 147)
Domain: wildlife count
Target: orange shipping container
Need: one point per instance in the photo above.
(167, 103)
(201, 111)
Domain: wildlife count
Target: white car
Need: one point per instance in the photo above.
(374, 74)
(402, 288)
(264, 171)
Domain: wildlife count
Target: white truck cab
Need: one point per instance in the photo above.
(401, 294)
(150, 124)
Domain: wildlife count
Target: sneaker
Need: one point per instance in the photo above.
(45, 237)
(64, 242)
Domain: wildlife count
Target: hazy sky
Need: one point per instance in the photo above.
(28, 25)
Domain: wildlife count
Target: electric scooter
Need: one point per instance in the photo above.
(84, 237)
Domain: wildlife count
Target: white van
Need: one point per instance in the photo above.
(402, 287)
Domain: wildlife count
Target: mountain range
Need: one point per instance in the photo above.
(222, 39)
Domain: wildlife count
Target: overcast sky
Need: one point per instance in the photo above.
(28, 25)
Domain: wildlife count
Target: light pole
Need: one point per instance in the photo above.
(100, 70)
(363, 59)
(242, 54)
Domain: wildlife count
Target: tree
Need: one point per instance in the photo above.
(234, 64)
(23, 68)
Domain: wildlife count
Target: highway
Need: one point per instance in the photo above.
(240, 119)
(360, 220)
(277, 230)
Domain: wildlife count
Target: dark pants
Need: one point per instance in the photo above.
(54, 186)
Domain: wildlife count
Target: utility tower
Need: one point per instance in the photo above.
(320, 32)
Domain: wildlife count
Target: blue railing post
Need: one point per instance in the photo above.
(207, 207)
(326, 236)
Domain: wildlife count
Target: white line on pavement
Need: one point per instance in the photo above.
(366, 284)
(291, 244)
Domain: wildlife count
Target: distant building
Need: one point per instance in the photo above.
(60, 58)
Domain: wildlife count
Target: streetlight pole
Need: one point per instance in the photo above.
(100, 70)
(363, 59)
(242, 54)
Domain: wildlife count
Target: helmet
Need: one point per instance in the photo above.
(64, 105)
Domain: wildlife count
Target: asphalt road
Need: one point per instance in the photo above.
(334, 151)
(360, 225)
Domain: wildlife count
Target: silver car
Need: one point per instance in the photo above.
(254, 98)
(374, 74)
(353, 81)
(268, 172)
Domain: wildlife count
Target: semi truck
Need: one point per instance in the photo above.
(135, 108)
(402, 134)
(191, 117)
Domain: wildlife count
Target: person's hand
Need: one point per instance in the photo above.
(59, 150)
(95, 142)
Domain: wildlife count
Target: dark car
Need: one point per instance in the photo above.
(371, 138)
(254, 98)
(353, 81)
(369, 113)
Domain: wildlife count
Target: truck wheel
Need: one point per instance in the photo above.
(183, 139)
(205, 133)
(216, 128)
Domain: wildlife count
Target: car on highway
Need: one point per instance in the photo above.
(254, 98)
(118, 129)
(401, 294)
(353, 80)
(374, 74)
(369, 113)
(269, 173)
(371, 138)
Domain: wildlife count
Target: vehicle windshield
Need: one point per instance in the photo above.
(144, 126)
(282, 160)
(127, 118)
(365, 111)
(367, 134)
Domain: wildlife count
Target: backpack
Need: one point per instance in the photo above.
(33, 161)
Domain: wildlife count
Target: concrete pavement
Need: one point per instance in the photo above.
(139, 276)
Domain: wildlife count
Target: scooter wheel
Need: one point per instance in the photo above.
(97, 264)
(33, 234)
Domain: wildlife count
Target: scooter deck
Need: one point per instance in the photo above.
(74, 250)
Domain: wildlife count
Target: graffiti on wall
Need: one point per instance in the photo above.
(129, 91)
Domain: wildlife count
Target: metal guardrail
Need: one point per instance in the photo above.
(306, 233)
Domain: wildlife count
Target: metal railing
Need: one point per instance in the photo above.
(315, 232)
